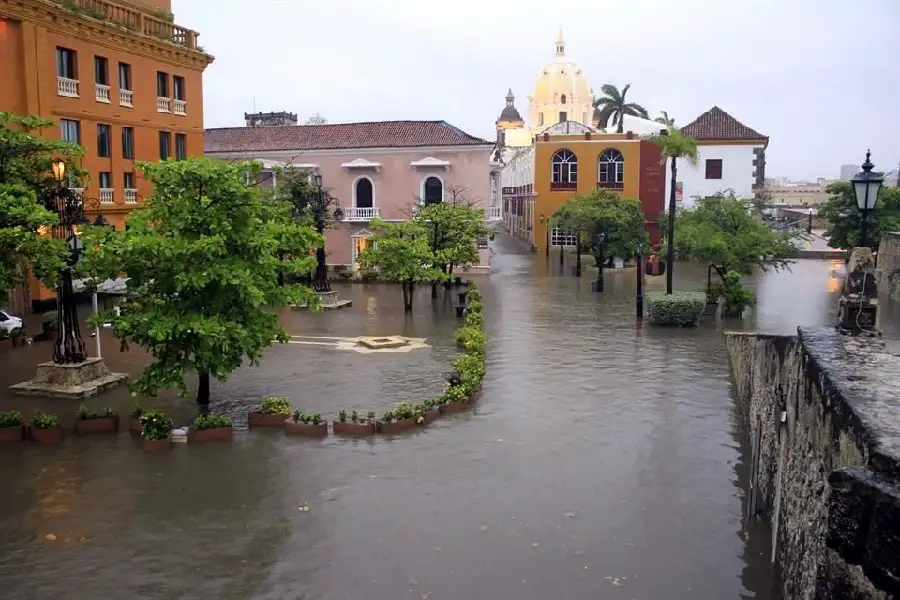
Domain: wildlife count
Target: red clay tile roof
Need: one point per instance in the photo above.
(716, 124)
(379, 134)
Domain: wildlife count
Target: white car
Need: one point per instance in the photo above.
(8, 321)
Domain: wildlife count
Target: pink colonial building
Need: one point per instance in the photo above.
(380, 169)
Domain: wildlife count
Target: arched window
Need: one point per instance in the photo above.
(432, 190)
(611, 169)
(564, 175)
(562, 99)
(363, 193)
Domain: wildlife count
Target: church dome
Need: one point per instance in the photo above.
(561, 83)
(509, 112)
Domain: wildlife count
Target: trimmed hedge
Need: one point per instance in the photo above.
(677, 308)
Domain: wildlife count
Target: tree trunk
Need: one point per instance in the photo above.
(621, 122)
(203, 388)
(407, 296)
(670, 232)
(434, 289)
(578, 255)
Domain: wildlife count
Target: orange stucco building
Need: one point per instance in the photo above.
(118, 78)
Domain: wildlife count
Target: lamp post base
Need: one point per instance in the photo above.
(75, 381)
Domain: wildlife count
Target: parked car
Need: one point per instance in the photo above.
(9, 322)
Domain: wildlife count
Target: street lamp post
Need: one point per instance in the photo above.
(320, 207)
(69, 207)
(601, 243)
(866, 185)
(546, 223)
(639, 298)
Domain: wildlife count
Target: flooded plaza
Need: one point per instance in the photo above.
(605, 459)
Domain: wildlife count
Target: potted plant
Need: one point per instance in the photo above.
(354, 424)
(134, 419)
(11, 427)
(156, 430)
(453, 400)
(210, 427)
(308, 424)
(86, 421)
(45, 428)
(405, 416)
(272, 413)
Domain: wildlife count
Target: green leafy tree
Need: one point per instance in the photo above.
(673, 146)
(25, 175)
(845, 220)
(402, 252)
(203, 258)
(604, 211)
(613, 106)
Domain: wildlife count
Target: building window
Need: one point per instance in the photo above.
(70, 131)
(124, 76)
(180, 146)
(103, 141)
(128, 143)
(714, 168)
(562, 99)
(129, 181)
(165, 143)
(66, 63)
(563, 117)
(564, 175)
(561, 237)
(432, 190)
(162, 84)
(364, 193)
(101, 70)
(610, 169)
(178, 87)
(105, 180)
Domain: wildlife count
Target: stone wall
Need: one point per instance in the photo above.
(824, 418)
(887, 273)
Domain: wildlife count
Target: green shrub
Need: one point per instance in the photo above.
(11, 418)
(307, 418)
(136, 412)
(678, 308)
(276, 406)
(211, 420)
(42, 420)
(471, 371)
(156, 425)
(736, 296)
(83, 414)
(453, 393)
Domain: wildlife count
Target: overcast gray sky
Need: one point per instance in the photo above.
(821, 78)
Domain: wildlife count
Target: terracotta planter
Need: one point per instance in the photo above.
(354, 428)
(258, 419)
(219, 434)
(12, 434)
(162, 445)
(396, 426)
(454, 407)
(432, 415)
(104, 425)
(306, 429)
(54, 435)
(134, 425)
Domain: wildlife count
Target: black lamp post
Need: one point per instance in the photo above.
(69, 207)
(320, 207)
(600, 241)
(639, 298)
(866, 185)
(546, 223)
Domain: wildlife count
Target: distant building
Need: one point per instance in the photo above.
(798, 194)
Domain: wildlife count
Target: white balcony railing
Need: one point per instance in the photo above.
(360, 214)
(67, 87)
(106, 196)
(101, 92)
(180, 107)
(494, 213)
(131, 196)
(163, 104)
(125, 97)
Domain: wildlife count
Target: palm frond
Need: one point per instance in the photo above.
(611, 92)
(636, 110)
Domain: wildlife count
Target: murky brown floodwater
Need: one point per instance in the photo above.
(605, 460)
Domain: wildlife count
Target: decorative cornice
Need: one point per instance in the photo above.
(105, 33)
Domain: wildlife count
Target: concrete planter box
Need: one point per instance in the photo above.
(306, 429)
(454, 407)
(258, 419)
(12, 434)
(89, 426)
(432, 415)
(163, 445)
(218, 434)
(354, 428)
(53, 435)
(396, 426)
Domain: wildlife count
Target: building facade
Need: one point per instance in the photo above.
(571, 159)
(375, 170)
(118, 78)
(732, 157)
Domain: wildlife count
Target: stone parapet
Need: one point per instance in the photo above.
(887, 273)
(823, 415)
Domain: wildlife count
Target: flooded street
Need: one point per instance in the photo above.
(604, 460)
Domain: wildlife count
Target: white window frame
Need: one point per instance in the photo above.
(560, 237)
(353, 190)
(618, 166)
(422, 188)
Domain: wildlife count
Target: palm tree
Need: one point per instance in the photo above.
(613, 105)
(673, 145)
(664, 119)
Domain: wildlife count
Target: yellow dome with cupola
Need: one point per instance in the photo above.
(561, 93)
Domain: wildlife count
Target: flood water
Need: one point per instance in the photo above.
(605, 459)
